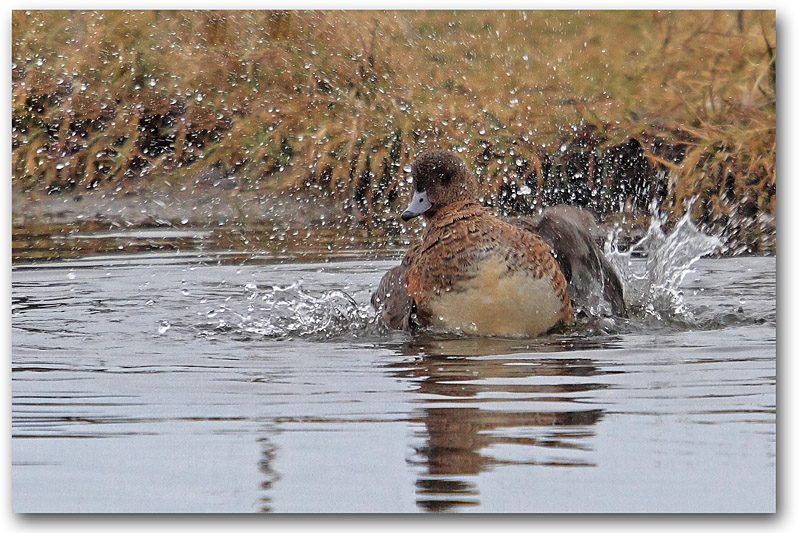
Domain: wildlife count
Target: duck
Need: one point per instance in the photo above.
(474, 273)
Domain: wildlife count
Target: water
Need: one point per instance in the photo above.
(182, 382)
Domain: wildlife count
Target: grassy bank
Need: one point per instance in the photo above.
(612, 110)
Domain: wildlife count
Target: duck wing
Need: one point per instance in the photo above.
(392, 300)
(572, 233)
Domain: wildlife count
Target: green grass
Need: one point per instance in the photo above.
(335, 104)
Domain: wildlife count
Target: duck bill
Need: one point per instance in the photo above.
(419, 204)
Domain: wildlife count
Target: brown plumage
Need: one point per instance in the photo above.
(472, 272)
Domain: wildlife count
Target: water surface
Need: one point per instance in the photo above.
(181, 382)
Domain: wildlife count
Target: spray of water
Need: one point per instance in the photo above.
(652, 286)
(651, 271)
(291, 311)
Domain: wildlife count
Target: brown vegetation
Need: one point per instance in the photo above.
(610, 109)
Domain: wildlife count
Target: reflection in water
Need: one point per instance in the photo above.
(269, 452)
(112, 414)
(481, 394)
(269, 240)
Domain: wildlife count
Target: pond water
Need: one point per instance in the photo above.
(183, 382)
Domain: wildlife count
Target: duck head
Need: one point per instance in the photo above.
(440, 178)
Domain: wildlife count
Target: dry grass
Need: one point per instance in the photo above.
(335, 104)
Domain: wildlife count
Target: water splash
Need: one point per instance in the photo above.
(291, 311)
(651, 272)
(652, 287)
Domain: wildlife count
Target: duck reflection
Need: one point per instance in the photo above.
(269, 451)
(487, 402)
